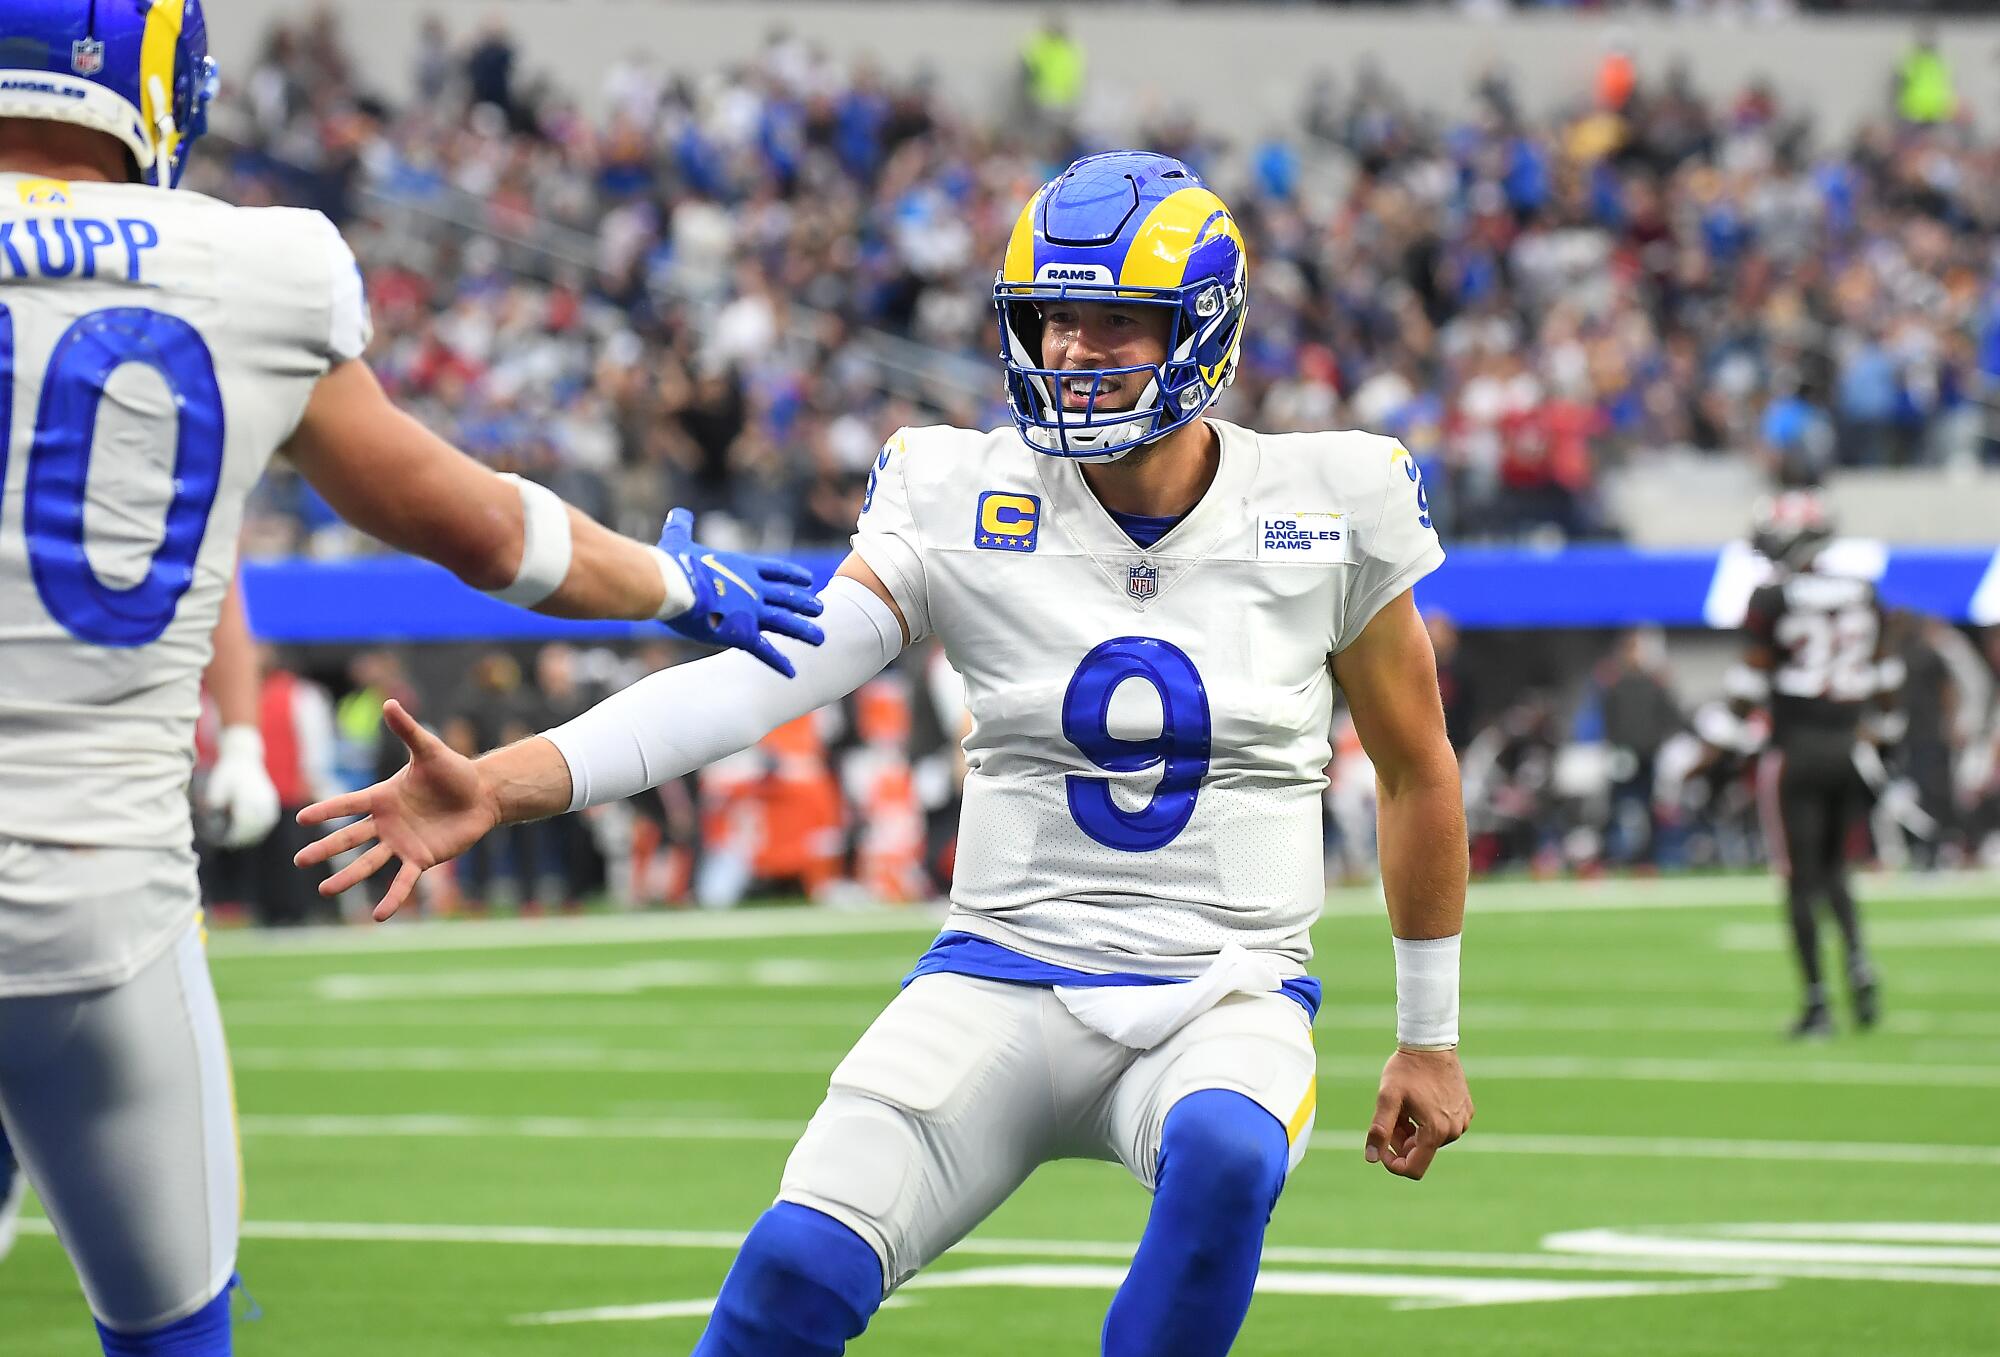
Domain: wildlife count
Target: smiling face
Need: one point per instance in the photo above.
(1085, 335)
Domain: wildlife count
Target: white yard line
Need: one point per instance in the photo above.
(1602, 1250)
(1410, 1291)
(878, 974)
(479, 935)
(451, 1126)
(1935, 935)
(777, 1010)
(602, 1314)
(1500, 897)
(586, 1059)
(583, 1060)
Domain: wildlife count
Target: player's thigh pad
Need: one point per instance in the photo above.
(1259, 1045)
(119, 1106)
(941, 1109)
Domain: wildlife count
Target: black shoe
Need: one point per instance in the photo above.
(1815, 1024)
(1867, 1003)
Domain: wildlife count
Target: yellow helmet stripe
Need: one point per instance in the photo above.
(156, 76)
(1019, 266)
(1166, 240)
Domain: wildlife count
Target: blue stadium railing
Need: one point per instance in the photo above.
(394, 598)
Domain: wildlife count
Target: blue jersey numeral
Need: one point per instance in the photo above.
(1181, 746)
(73, 388)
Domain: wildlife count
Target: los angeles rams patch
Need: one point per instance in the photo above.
(44, 192)
(1006, 521)
(1314, 538)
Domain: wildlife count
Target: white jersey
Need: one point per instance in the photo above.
(155, 349)
(1150, 726)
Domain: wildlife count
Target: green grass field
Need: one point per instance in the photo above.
(544, 1138)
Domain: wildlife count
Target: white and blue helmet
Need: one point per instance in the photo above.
(138, 70)
(1135, 228)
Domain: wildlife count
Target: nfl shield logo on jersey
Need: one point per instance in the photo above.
(1142, 582)
(86, 56)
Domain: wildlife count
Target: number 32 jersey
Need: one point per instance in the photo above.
(155, 348)
(1149, 725)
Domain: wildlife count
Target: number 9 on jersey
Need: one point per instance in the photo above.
(1181, 747)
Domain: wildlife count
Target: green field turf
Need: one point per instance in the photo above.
(459, 1134)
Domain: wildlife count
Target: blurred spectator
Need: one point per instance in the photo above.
(515, 865)
(772, 815)
(363, 752)
(1924, 91)
(1455, 679)
(1640, 715)
(295, 719)
(1930, 701)
(1509, 775)
(1052, 70)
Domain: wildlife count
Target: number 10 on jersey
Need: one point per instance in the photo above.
(1181, 748)
(59, 452)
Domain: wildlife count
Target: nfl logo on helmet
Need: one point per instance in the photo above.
(86, 56)
(1142, 582)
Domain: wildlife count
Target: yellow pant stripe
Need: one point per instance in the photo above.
(1297, 1125)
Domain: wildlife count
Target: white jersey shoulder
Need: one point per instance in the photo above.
(1150, 722)
(160, 347)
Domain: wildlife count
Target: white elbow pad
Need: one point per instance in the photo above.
(545, 545)
(673, 722)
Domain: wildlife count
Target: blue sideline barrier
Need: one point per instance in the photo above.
(399, 599)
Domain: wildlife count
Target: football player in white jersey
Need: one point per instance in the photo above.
(1151, 609)
(156, 348)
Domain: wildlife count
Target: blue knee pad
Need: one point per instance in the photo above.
(803, 1285)
(1224, 1156)
(1222, 1164)
(205, 1333)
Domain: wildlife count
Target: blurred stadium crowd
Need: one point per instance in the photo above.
(706, 296)
(725, 291)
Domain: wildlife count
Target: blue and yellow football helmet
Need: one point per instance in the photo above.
(1132, 227)
(136, 69)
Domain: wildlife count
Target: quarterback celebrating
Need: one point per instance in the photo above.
(1151, 609)
(156, 348)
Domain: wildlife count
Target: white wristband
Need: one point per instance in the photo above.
(680, 593)
(1427, 993)
(545, 545)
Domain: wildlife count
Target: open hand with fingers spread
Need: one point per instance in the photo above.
(1423, 1106)
(434, 809)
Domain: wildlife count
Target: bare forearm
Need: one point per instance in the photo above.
(231, 677)
(528, 780)
(609, 576)
(387, 474)
(1421, 827)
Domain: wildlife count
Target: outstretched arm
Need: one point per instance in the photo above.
(388, 475)
(1389, 674)
(660, 728)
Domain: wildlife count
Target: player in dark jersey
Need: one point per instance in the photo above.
(1816, 658)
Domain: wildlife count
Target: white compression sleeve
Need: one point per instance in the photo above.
(679, 719)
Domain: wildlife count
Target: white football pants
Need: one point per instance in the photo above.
(964, 1086)
(119, 1107)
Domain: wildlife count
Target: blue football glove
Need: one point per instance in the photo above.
(739, 597)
